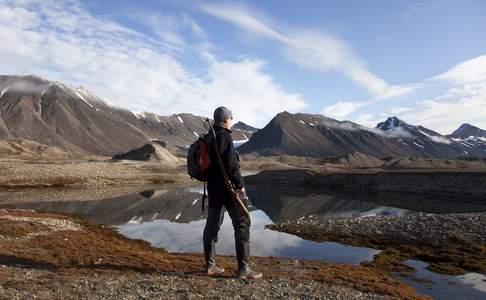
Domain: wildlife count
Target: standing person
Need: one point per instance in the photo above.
(219, 197)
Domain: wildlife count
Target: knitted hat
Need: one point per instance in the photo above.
(221, 114)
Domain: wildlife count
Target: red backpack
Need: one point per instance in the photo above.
(198, 160)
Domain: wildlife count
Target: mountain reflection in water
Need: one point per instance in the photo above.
(183, 205)
(173, 219)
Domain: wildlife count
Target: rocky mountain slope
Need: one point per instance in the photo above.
(470, 137)
(318, 136)
(27, 149)
(75, 119)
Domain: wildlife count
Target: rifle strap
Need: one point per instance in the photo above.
(220, 161)
(226, 179)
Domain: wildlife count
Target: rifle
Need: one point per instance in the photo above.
(227, 182)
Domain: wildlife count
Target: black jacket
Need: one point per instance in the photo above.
(229, 157)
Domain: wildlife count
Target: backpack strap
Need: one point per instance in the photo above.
(204, 197)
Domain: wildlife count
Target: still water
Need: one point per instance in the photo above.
(173, 219)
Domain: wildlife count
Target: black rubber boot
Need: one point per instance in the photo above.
(245, 272)
(209, 255)
(210, 237)
(243, 257)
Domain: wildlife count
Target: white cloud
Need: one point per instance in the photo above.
(174, 29)
(446, 116)
(318, 51)
(471, 71)
(61, 40)
(399, 110)
(366, 120)
(464, 101)
(244, 85)
(342, 109)
(395, 91)
(239, 15)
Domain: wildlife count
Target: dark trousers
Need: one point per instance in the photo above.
(219, 198)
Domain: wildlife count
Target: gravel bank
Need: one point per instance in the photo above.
(451, 243)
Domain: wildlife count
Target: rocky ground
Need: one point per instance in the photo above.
(87, 173)
(48, 255)
(450, 243)
(122, 285)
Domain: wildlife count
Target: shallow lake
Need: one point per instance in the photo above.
(173, 219)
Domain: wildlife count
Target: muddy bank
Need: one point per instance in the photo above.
(451, 243)
(18, 196)
(79, 257)
(460, 184)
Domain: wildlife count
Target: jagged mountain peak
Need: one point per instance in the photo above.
(391, 123)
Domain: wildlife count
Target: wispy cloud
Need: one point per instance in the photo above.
(463, 101)
(175, 29)
(62, 40)
(458, 96)
(318, 51)
(470, 71)
(342, 109)
(315, 50)
(400, 110)
(418, 7)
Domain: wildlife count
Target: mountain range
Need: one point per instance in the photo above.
(318, 136)
(74, 119)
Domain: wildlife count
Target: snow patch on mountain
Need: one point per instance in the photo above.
(435, 138)
(418, 145)
(238, 143)
(45, 89)
(4, 91)
(82, 98)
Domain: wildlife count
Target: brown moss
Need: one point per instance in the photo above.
(97, 248)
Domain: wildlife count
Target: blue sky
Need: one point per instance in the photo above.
(424, 61)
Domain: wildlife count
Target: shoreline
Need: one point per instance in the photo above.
(469, 185)
(452, 244)
(100, 172)
(61, 247)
